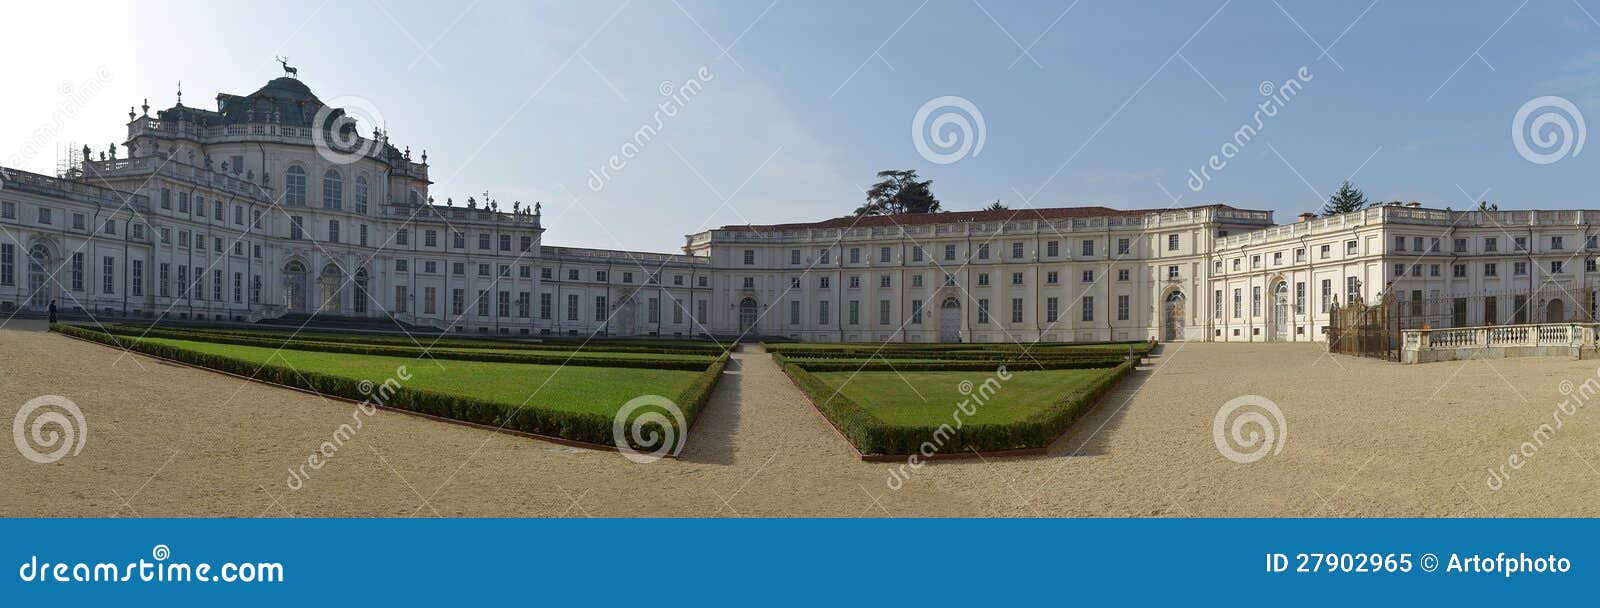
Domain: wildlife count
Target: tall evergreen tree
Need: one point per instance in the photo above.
(1347, 199)
(899, 192)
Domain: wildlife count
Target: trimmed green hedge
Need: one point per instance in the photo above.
(575, 426)
(880, 365)
(871, 436)
(412, 351)
(709, 349)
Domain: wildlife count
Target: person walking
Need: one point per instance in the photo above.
(52, 312)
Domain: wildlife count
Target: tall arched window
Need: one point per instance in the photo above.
(361, 194)
(332, 190)
(294, 187)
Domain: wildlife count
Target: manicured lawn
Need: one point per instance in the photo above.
(927, 399)
(600, 390)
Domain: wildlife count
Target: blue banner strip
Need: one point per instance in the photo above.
(704, 562)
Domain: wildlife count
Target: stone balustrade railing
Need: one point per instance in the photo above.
(1497, 341)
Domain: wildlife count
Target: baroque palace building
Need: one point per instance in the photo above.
(270, 207)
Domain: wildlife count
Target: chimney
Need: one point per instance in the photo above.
(1306, 217)
(1414, 205)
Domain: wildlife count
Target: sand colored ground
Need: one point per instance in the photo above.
(1364, 438)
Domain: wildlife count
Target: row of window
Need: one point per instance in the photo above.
(1018, 311)
(1490, 269)
(1017, 251)
(1491, 244)
(1352, 293)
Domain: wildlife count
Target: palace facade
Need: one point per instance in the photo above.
(271, 206)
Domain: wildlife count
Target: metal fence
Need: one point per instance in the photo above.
(1374, 330)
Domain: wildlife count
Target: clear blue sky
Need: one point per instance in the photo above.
(1115, 100)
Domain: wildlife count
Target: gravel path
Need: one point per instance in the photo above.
(1365, 438)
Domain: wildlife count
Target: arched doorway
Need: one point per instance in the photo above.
(359, 304)
(950, 320)
(1280, 311)
(328, 289)
(1555, 311)
(1173, 313)
(39, 280)
(294, 286)
(747, 315)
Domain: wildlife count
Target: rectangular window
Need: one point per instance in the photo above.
(333, 231)
(296, 231)
(255, 290)
(544, 305)
(983, 310)
(430, 297)
(401, 298)
(136, 276)
(1016, 310)
(883, 312)
(1016, 251)
(1088, 308)
(1216, 304)
(916, 312)
(1238, 303)
(854, 317)
(502, 303)
(430, 238)
(1300, 298)
(1123, 246)
(1491, 269)
(916, 253)
(794, 256)
(163, 274)
(1491, 244)
(1088, 248)
(822, 312)
(1122, 308)
(1052, 249)
(600, 308)
(794, 312)
(1052, 277)
(238, 288)
(572, 307)
(949, 253)
(216, 285)
(1352, 288)
(885, 256)
(855, 255)
(1255, 301)
(1016, 278)
(1327, 294)
(1052, 309)
(749, 257)
(108, 276)
(77, 271)
(983, 251)
(1172, 242)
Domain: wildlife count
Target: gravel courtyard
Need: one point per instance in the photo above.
(1362, 438)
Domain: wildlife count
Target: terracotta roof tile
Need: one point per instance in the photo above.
(1023, 215)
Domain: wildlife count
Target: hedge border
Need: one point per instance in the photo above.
(579, 429)
(707, 349)
(873, 440)
(410, 351)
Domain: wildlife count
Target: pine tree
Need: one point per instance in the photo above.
(1347, 199)
(899, 192)
(997, 206)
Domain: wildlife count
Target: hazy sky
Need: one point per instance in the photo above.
(1113, 104)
